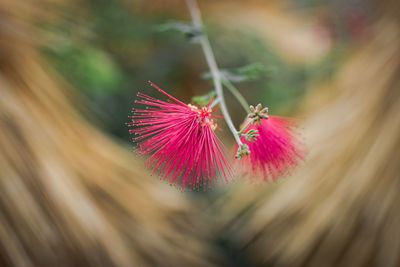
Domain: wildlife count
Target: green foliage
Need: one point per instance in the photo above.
(204, 100)
(88, 68)
(249, 72)
(252, 71)
(188, 29)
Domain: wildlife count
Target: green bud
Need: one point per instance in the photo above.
(251, 135)
(258, 113)
(242, 151)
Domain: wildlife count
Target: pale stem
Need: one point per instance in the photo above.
(212, 64)
(235, 92)
(214, 103)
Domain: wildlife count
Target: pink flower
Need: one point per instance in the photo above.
(181, 140)
(275, 152)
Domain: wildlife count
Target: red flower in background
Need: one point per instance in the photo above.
(276, 150)
(181, 141)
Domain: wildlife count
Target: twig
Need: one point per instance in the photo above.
(234, 91)
(212, 64)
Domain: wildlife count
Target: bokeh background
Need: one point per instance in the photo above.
(73, 192)
(109, 49)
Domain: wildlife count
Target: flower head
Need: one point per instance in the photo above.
(276, 150)
(181, 140)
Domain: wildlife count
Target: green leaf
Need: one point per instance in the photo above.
(252, 71)
(246, 73)
(204, 100)
(188, 29)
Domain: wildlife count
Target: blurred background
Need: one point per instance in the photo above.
(109, 49)
(73, 192)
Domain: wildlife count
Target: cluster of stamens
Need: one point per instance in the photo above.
(204, 116)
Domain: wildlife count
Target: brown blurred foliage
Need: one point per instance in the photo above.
(342, 208)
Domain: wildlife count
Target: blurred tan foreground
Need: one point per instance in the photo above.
(70, 196)
(342, 208)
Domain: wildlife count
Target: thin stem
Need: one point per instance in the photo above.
(235, 92)
(212, 64)
(214, 103)
(248, 123)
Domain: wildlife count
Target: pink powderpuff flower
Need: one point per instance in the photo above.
(181, 140)
(275, 152)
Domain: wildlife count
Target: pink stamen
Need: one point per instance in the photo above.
(180, 140)
(275, 152)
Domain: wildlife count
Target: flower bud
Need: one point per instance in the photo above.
(242, 151)
(258, 113)
(251, 135)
